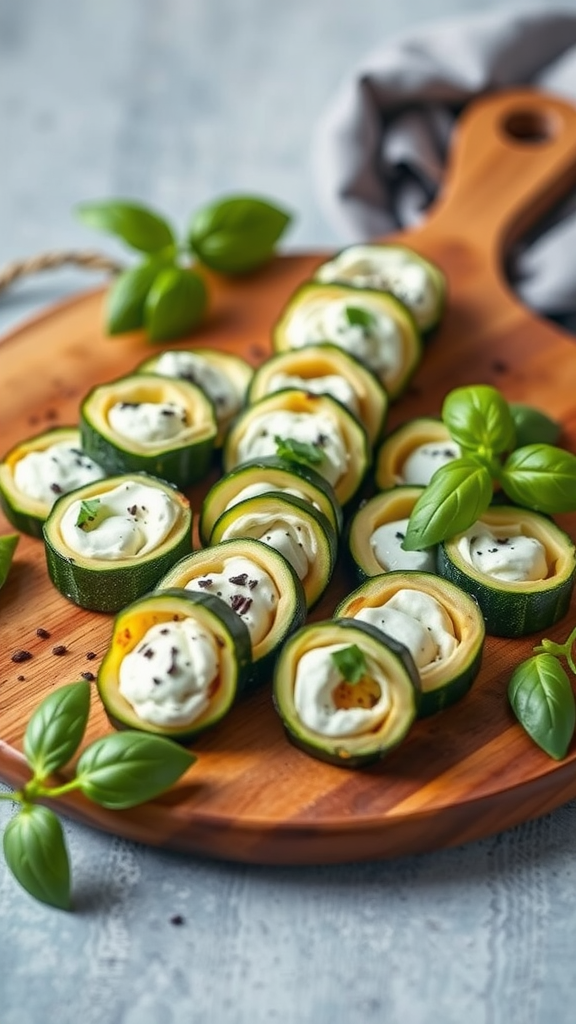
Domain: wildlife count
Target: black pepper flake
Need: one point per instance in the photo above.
(239, 604)
(239, 581)
(252, 584)
(88, 676)
(42, 633)
(399, 535)
(321, 440)
(90, 655)
(177, 919)
(59, 650)
(55, 488)
(21, 679)
(148, 653)
(492, 551)
(20, 656)
(164, 632)
(129, 405)
(132, 510)
(205, 583)
(502, 541)
(172, 668)
(156, 681)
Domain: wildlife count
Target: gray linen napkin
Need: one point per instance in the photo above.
(380, 148)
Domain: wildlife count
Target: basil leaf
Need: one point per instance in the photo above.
(541, 477)
(56, 728)
(35, 852)
(292, 450)
(237, 234)
(533, 426)
(351, 663)
(541, 697)
(128, 768)
(478, 417)
(88, 510)
(358, 317)
(135, 224)
(456, 496)
(7, 548)
(126, 298)
(175, 304)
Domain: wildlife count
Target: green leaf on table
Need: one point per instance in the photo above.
(358, 317)
(128, 768)
(88, 511)
(533, 426)
(126, 297)
(56, 728)
(138, 226)
(479, 419)
(456, 496)
(236, 234)
(175, 304)
(7, 548)
(292, 450)
(541, 477)
(541, 697)
(351, 663)
(35, 852)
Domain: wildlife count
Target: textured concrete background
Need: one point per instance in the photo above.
(175, 102)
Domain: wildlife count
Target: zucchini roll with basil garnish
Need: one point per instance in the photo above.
(372, 326)
(413, 452)
(377, 531)
(519, 565)
(346, 694)
(109, 542)
(257, 583)
(37, 471)
(441, 626)
(175, 664)
(150, 424)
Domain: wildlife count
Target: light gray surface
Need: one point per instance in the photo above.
(175, 102)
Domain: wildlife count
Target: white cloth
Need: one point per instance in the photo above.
(380, 147)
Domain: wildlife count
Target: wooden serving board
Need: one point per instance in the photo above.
(465, 773)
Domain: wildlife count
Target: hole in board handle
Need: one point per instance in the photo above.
(532, 127)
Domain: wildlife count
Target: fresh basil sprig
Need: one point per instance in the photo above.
(116, 771)
(7, 548)
(538, 476)
(164, 293)
(351, 663)
(358, 317)
(292, 450)
(541, 697)
(87, 512)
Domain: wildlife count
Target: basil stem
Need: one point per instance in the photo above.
(541, 697)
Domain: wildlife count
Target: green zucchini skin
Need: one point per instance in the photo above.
(439, 690)
(349, 752)
(511, 610)
(107, 586)
(232, 636)
(280, 473)
(182, 463)
(292, 608)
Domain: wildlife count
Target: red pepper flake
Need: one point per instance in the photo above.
(20, 656)
(90, 655)
(42, 633)
(59, 650)
(88, 676)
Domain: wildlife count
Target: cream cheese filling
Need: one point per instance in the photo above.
(60, 468)
(504, 553)
(215, 384)
(167, 678)
(248, 589)
(316, 681)
(148, 423)
(329, 384)
(418, 621)
(131, 519)
(290, 535)
(378, 343)
(311, 428)
(423, 461)
(386, 543)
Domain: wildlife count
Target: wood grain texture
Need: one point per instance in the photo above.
(465, 773)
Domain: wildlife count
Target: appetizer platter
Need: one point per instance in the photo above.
(457, 765)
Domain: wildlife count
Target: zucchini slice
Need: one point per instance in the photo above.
(268, 474)
(413, 452)
(300, 532)
(326, 369)
(223, 377)
(175, 664)
(338, 441)
(489, 560)
(109, 542)
(376, 533)
(37, 471)
(414, 280)
(372, 326)
(314, 700)
(257, 583)
(441, 625)
(150, 424)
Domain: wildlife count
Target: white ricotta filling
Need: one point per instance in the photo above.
(504, 553)
(317, 677)
(289, 535)
(330, 384)
(215, 384)
(390, 269)
(248, 589)
(131, 519)
(310, 428)
(253, 490)
(386, 543)
(167, 678)
(425, 459)
(378, 345)
(148, 423)
(418, 621)
(60, 468)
